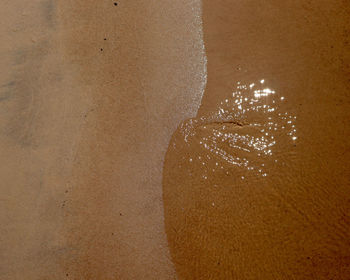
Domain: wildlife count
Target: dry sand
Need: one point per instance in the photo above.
(90, 94)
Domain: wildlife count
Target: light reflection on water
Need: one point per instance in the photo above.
(244, 131)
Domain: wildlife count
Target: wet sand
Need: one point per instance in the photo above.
(90, 95)
(256, 186)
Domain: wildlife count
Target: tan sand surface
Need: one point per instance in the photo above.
(90, 94)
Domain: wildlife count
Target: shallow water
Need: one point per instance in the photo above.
(255, 187)
(255, 181)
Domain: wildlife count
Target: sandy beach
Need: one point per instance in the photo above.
(174, 140)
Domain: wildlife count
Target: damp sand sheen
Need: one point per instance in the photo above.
(257, 185)
(131, 151)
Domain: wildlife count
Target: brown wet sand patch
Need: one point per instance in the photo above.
(224, 221)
